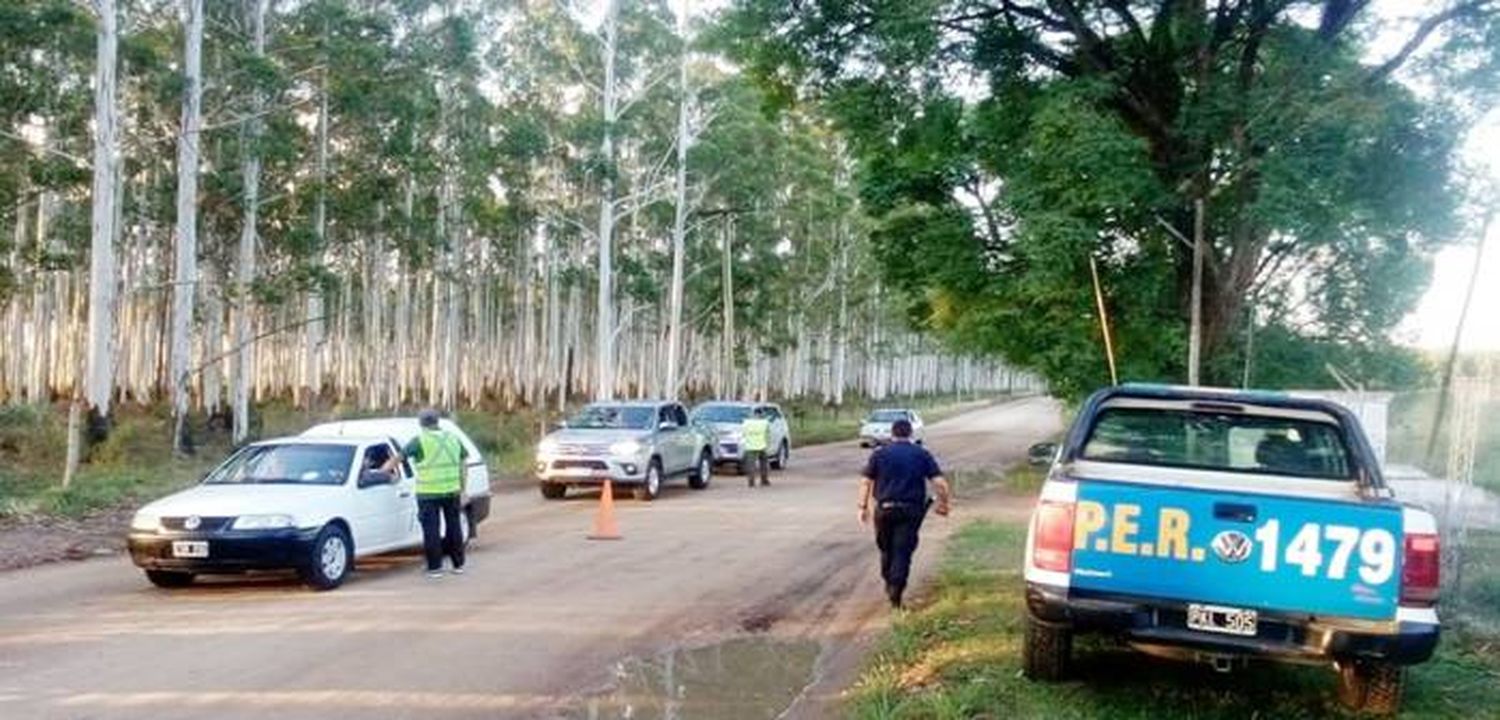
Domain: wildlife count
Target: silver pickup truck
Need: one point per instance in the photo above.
(638, 444)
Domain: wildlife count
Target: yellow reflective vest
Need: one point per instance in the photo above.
(440, 471)
(757, 432)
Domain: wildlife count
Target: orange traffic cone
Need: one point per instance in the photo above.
(604, 520)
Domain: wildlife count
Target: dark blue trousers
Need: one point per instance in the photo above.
(896, 528)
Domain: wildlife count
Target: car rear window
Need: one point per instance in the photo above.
(888, 416)
(1227, 441)
(721, 413)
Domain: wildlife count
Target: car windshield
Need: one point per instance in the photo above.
(721, 413)
(614, 417)
(1234, 442)
(285, 464)
(887, 416)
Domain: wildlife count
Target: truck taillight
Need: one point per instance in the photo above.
(1052, 547)
(1420, 570)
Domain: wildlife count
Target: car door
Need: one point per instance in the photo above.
(687, 438)
(778, 428)
(406, 531)
(373, 516)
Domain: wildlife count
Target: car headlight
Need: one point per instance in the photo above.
(263, 522)
(145, 522)
(629, 448)
(547, 446)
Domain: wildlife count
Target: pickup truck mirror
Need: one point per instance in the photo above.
(1041, 453)
(371, 478)
(666, 425)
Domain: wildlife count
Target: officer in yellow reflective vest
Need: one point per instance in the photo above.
(438, 458)
(756, 436)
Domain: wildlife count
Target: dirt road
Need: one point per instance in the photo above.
(724, 603)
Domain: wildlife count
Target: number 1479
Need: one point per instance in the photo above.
(1376, 548)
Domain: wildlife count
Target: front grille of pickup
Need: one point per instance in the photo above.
(584, 450)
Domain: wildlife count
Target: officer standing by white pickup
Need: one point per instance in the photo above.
(895, 487)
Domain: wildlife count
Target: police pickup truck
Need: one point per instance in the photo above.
(1222, 526)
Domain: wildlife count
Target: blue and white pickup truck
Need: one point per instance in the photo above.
(1223, 526)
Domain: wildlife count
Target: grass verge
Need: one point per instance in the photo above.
(958, 657)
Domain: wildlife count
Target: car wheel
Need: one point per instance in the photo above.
(705, 472)
(332, 559)
(1046, 651)
(783, 456)
(648, 490)
(554, 491)
(169, 578)
(1371, 687)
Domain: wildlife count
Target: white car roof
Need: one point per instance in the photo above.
(321, 439)
(402, 429)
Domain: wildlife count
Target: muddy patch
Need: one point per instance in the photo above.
(748, 678)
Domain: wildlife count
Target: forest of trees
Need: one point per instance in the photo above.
(457, 202)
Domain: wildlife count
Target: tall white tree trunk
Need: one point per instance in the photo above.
(841, 350)
(99, 381)
(679, 220)
(604, 321)
(312, 367)
(185, 275)
(244, 373)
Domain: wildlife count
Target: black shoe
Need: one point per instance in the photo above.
(893, 592)
(765, 483)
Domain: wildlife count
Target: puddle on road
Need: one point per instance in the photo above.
(751, 678)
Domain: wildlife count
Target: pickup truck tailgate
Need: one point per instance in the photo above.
(1262, 551)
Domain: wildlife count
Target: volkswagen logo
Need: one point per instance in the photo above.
(194, 521)
(1232, 546)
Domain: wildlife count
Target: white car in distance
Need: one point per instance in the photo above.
(876, 429)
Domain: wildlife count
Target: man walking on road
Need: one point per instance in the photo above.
(756, 432)
(438, 459)
(894, 486)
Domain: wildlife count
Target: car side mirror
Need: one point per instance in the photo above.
(371, 478)
(666, 425)
(1041, 453)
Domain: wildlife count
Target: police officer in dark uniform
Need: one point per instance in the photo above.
(894, 488)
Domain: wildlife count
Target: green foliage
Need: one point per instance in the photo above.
(1326, 185)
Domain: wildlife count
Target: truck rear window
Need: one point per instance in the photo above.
(1233, 442)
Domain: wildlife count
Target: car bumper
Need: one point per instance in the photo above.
(228, 552)
(729, 452)
(1162, 626)
(591, 470)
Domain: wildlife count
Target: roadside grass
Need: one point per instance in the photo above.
(813, 423)
(136, 464)
(1018, 480)
(957, 656)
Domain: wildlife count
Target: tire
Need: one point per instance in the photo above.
(554, 491)
(783, 456)
(1046, 651)
(651, 488)
(700, 478)
(169, 578)
(1371, 687)
(331, 559)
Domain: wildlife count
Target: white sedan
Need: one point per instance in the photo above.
(305, 503)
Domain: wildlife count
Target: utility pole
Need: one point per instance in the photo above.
(1195, 332)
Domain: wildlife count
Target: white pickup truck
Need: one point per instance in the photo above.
(1226, 526)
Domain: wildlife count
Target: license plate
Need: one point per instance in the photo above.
(1223, 620)
(599, 473)
(190, 548)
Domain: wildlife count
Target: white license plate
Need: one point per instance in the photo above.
(190, 548)
(1223, 620)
